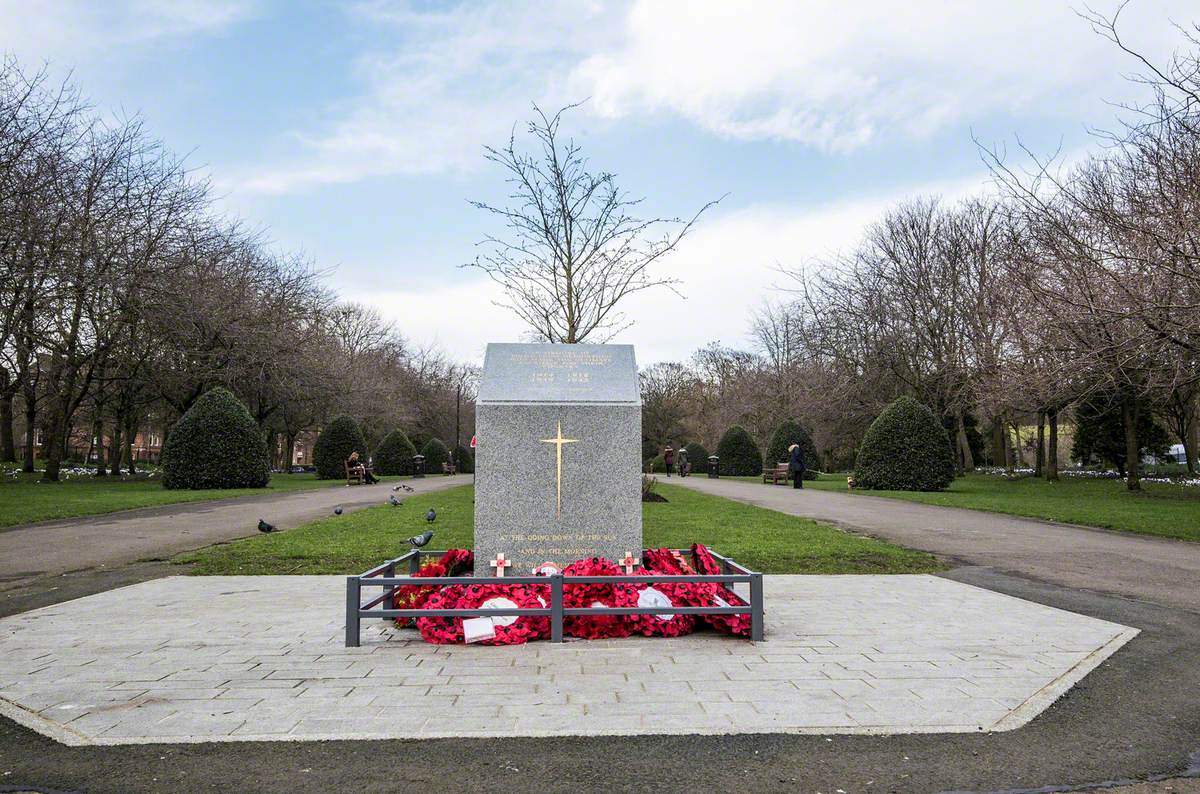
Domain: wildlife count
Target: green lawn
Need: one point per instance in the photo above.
(761, 539)
(1164, 509)
(24, 498)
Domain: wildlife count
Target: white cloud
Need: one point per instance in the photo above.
(725, 268)
(838, 75)
(452, 81)
(71, 32)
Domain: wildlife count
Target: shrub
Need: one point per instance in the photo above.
(788, 433)
(905, 449)
(216, 444)
(395, 454)
(436, 454)
(1100, 432)
(656, 465)
(465, 459)
(339, 438)
(739, 454)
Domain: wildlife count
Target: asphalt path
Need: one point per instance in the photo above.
(111, 540)
(1135, 718)
(1161, 570)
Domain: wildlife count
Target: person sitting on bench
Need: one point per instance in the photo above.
(354, 465)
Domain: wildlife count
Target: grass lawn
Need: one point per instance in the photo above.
(1172, 511)
(24, 498)
(760, 539)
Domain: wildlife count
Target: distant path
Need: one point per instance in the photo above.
(1136, 566)
(72, 544)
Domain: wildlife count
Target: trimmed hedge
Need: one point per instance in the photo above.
(395, 454)
(216, 444)
(788, 433)
(697, 455)
(739, 454)
(465, 460)
(905, 449)
(339, 438)
(436, 454)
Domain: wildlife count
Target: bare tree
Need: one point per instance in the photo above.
(573, 249)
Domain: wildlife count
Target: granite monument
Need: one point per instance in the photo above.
(558, 461)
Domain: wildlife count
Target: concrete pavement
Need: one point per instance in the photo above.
(50, 548)
(213, 659)
(1130, 565)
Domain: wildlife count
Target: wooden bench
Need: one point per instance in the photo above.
(354, 476)
(776, 473)
(449, 468)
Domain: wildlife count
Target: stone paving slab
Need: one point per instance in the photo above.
(228, 658)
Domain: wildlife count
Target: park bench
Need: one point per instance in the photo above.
(776, 473)
(449, 468)
(354, 476)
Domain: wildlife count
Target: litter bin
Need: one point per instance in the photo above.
(418, 466)
(714, 467)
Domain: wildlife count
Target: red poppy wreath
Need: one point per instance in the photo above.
(510, 629)
(582, 596)
(716, 594)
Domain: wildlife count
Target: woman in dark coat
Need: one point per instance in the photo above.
(796, 465)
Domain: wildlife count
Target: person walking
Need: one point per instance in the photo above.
(796, 465)
(669, 459)
(681, 458)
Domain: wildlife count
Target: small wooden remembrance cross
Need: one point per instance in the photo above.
(627, 562)
(500, 564)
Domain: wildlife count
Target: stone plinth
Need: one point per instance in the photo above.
(558, 460)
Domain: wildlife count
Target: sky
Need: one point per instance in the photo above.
(354, 131)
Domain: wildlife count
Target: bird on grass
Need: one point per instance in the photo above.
(393, 501)
(421, 540)
(431, 516)
(337, 511)
(263, 526)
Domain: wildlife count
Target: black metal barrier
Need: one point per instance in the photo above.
(384, 576)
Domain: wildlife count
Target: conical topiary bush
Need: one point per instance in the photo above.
(905, 449)
(788, 433)
(216, 444)
(395, 454)
(436, 454)
(339, 438)
(739, 454)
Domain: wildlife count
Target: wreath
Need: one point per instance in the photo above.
(600, 594)
(439, 630)
(663, 561)
(717, 594)
(510, 629)
(413, 596)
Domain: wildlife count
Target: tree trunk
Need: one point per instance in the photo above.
(1052, 449)
(97, 440)
(130, 438)
(1017, 447)
(1191, 438)
(966, 460)
(999, 448)
(290, 447)
(1039, 465)
(30, 435)
(8, 449)
(1129, 417)
(114, 449)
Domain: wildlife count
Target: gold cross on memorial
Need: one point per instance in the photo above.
(558, 442)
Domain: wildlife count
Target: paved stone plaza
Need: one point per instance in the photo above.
(194, 659)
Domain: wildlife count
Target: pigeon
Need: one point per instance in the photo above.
(422, 539)
(431, 515)
(402, 485)
(263, 526)
(337, 511)
(393, 501)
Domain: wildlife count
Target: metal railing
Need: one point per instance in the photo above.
(384, 576)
